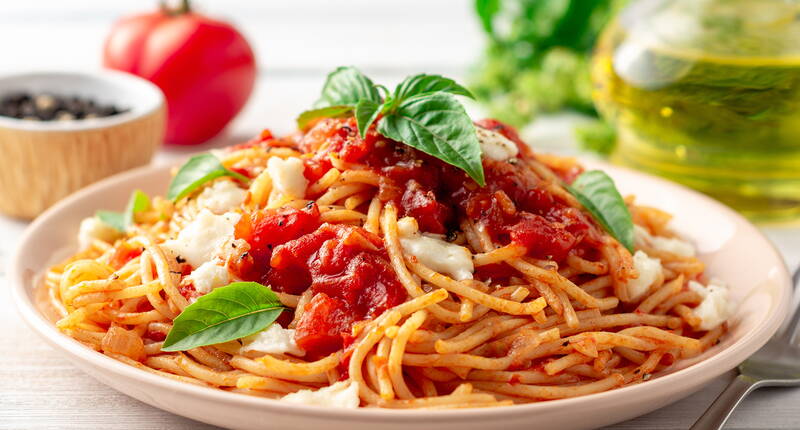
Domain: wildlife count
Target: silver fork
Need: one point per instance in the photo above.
(777, 364)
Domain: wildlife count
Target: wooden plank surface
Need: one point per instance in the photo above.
(297, 43)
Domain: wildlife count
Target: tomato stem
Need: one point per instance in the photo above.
(181, 9)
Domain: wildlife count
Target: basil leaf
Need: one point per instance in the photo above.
(113, 219)
(366, 113)
(437, 124)
(196, 172)
(426, 84)
(138, 202)
(347, 86)
(327, 112)
(598, 194)
(227, 313)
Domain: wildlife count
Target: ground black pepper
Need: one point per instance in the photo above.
(52, 107)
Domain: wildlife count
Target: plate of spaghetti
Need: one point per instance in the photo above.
(394, 263)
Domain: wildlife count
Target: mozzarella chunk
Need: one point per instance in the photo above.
(221, 154)
(495, 146)
(208, 276)
(441, 256)
(221, 197)
(202, 238)
(287, 176)
(339, 395)
(674, 246)
(648, 269)
(92, 228)
(667, 244)
(716, 306)
(273, 340)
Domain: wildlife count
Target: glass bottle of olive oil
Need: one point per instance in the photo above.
(707, 93)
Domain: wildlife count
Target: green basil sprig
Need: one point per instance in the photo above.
(227, 313)
(598, 194)
(138, 202)
(325, 112)
(422, 112)
(196, 172)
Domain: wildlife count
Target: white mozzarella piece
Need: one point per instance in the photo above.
(648, 269)
(287, 176)
(92, 228)
(202, 238)
(273, 340)
(716, 306)
(339, 395)
(208, 276)
(495, 146)
(441, 256)
(674, 246)
(219, 153)
(221, 196)
(667, 244)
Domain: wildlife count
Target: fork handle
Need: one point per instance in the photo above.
(718, 413)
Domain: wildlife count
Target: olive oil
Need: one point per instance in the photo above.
(707, 100)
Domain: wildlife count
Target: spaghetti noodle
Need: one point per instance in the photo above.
(408, 286)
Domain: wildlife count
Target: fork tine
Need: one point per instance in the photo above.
(791, 328)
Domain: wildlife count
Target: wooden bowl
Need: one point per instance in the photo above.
(44, 161)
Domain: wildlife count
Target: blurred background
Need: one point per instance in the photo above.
(510, 56)
(296, 43)
(704, 92)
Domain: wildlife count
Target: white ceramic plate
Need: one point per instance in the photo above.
(731, 247)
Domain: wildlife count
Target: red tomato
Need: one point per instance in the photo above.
(205, 68)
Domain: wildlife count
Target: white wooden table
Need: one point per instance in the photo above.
(297, 44)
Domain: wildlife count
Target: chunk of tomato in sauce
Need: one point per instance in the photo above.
(265, 229)
(123, 253)
(412, 179)
(188, 291)
(362, 279)
(495, 272)
(349, 268)
(323, 325)
(542, 238)
(346, 263)
(421, 203)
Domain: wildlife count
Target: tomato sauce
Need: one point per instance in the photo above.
(123, 253)
(347, 268)
(437, 194)
(264, 230)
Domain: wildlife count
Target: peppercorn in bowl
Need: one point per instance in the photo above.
(60, 131)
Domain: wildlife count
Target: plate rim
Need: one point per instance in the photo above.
(725, 359)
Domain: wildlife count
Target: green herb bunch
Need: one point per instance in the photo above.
(537, 57)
